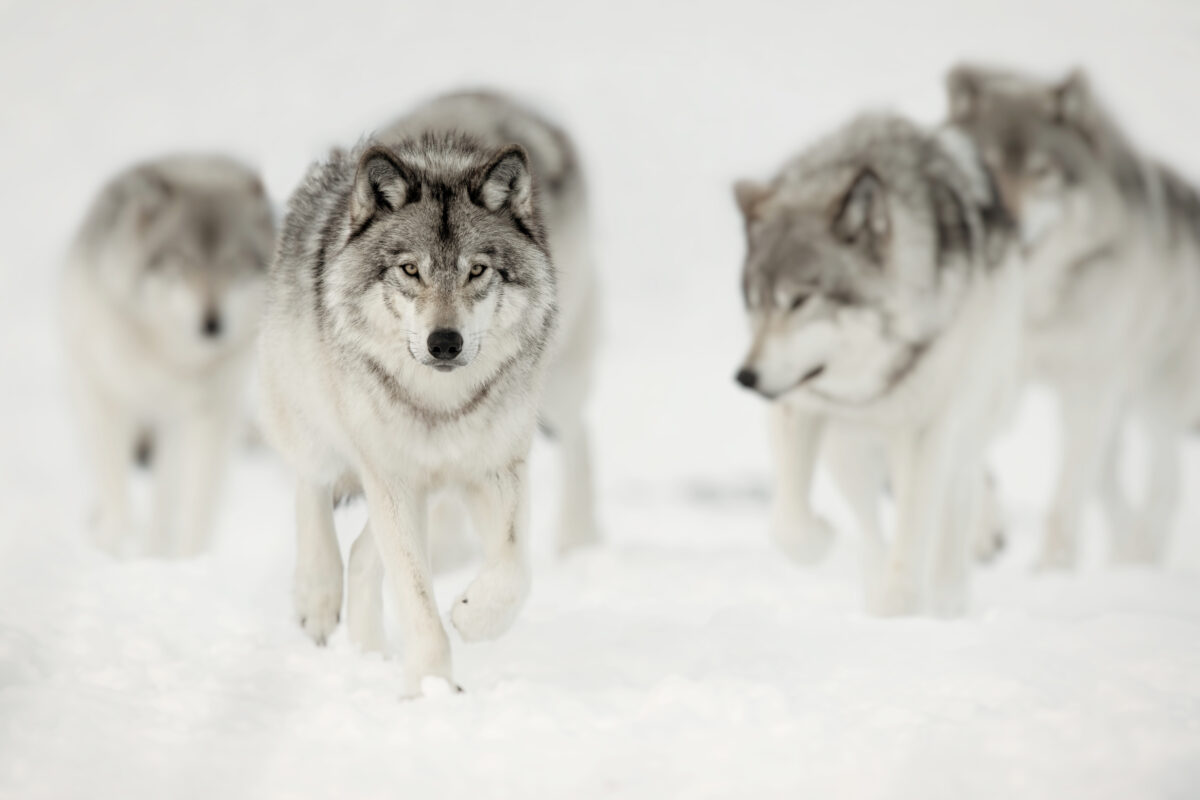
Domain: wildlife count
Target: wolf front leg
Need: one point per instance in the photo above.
(500, 507)
(859, 470)
(921, 470)
(963, 513)
(398, 518)
(795, 442)
(364, 596)
(1090, 420)
(317, 590)
(109, 439)
(196, 455)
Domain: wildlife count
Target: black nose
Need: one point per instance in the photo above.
(445, 344)
(747, 377)
(211, 327)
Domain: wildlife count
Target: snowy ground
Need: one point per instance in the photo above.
(684, 658)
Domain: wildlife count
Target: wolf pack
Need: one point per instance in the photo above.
(429, 304)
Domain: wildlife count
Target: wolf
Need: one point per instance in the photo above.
(410, 322)
(1111, 240)
(497, 120)
(883, 296)
(162, 290)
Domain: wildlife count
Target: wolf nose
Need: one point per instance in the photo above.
(747, 377)
(445, 344)
(211, 327)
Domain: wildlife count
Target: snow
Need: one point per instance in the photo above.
(683, 658)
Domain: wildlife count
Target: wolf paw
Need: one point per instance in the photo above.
(806, 541)
(318, 603)
(1057, 556)
(490, 604)
(895, 598)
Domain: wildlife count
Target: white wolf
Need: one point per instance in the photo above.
(161, 299)
(411, 317)
(1112, 245)
(884, 300)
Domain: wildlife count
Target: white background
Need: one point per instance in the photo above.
(685, 658)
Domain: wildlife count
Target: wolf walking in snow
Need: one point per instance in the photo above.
(161, 300)
(1111, 240)
(411, 321)
(884, 304)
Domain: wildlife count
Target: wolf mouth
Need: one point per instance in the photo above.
(896, 376)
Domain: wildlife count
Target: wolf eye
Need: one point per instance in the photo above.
(477, 270)
(799, 300)
(409, 269)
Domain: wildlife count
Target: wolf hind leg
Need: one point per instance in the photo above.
(364, 594)
(500, 507)
(562, 412)
(1090, 419)
(1144, 539)
(317, 587)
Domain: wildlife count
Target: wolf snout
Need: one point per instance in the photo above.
(445, 344)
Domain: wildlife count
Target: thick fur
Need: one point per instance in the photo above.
(884, 304)
(1112, 244)
(497, 121)
(161, 299)
(382, 247)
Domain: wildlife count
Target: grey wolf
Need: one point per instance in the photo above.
(1111, 239)
(411, 318)
(161, 298)
(884, 307)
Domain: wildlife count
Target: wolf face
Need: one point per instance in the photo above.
(854, 263)
(817, 283)
(1045, 144)
(187, 262)
(444, 250)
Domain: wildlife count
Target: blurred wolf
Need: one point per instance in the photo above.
(410, 322)
(1112, 244)
(884, 302)
(160, 305)
(496, 121)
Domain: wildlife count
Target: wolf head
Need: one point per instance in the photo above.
(444, 254)
(1059, 163)
(187, 253)
(853, 262)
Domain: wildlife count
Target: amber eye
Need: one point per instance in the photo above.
(477, 270)
(410, 269)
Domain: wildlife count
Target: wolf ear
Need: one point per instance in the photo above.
(861, 216)
(962, 90)
(506, 182)
(149, 192)
(750, 195)
(1073, 99)
(381, 184)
